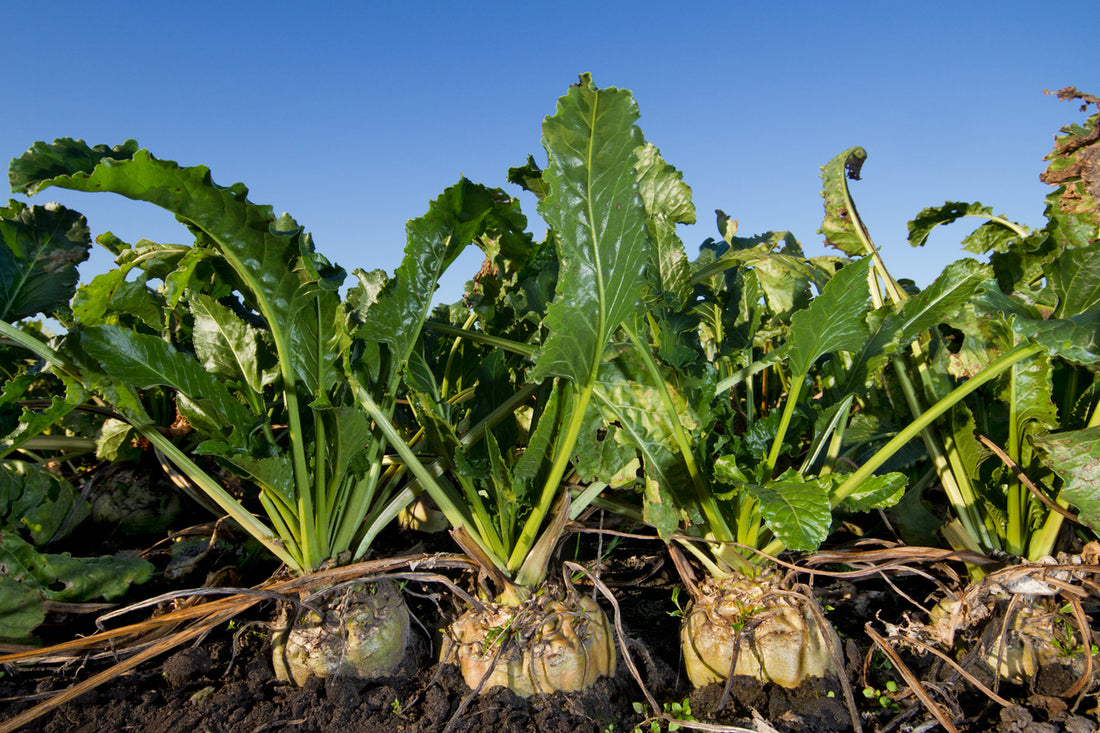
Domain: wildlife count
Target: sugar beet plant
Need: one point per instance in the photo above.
(1012, 362)
(290, 387)
(552, 338)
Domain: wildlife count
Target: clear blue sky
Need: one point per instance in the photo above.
(352, 116)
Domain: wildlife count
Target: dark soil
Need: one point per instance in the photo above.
(225, 683)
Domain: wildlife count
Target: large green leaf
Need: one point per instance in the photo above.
(1075, 339)
(28, 578)
(940, 302)
(226, 345)
(836, 320)
(1075, 278)
(261, 248)
(40, 248)
(147, 361)
(595, 209)
(1075, 456)
(318, 340)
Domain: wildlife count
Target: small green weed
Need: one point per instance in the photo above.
(883, 696)
(674, 710)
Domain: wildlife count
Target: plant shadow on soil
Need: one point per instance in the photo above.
(226, 682)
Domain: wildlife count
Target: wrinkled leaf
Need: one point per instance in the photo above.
(1075, 278)
(841, 222)
(260, 247)
(796, 509)
(459, 216)
(1075, 457)
(40, 248)
(595, 210)
(35, 501)
(667, 202)
(225, 345)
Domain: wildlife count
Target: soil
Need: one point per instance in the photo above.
(225, 682)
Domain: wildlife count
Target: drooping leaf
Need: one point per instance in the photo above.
(598, 216)
(889, 331)
(40, 248)
(529, 177)
(993, 236)
(261, 248)
(28, 578)
(459, 216)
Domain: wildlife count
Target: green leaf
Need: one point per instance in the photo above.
(877, 492)
(32, 422)
(109, 296)
(1075, 457)
(36, 501)
(262, 249)
(40, 248)
(318, 340)
(995, 235)
(21, 607)
(595, 209)
(147, 361)
(28, 577)
(667, 202)
(1075, 339)
(459, 216)
(889, 332)
(834, 321)
(115, 442)
(225, 345)
(796, 509)
(1075, 279)
(841, 222)
(529, 177)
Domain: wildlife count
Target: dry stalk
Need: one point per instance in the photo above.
(204, 617)
(911, 680)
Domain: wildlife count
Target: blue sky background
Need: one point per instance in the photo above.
(352, 116)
